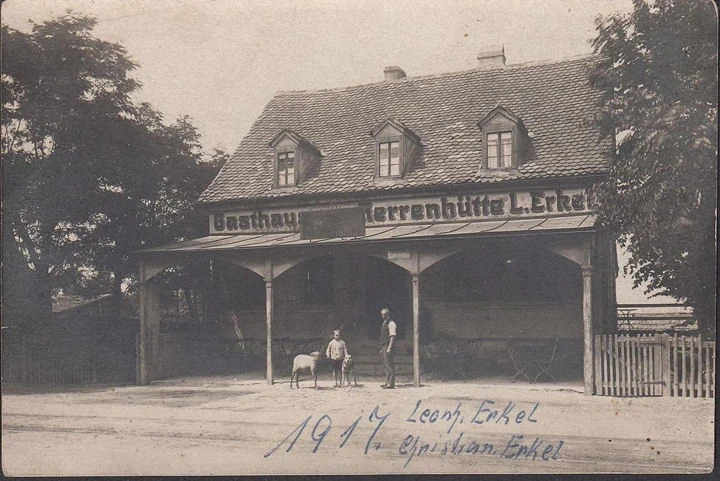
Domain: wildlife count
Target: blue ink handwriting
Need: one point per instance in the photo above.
(324, 425)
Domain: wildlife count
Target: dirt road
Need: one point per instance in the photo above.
(233, 426)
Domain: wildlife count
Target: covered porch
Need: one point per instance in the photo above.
(439, 280)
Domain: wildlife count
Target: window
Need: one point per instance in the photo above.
(395, 147)
(293, 159)
(499, 150)
(286, 168)
(505, 138)
(389, 156)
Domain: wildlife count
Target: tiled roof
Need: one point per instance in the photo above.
(553, 99)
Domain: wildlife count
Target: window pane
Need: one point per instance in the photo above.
(384, 166)
(383, 151)
(507, 149)
(395, 150)
(286, 168)
(492, 151)
(395, 168)
(389, 158)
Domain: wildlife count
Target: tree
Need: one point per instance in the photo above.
(88, 174)
(658, 78)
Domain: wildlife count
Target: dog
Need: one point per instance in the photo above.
(305, 362)
(348, 369)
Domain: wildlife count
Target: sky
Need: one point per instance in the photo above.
(221, 61)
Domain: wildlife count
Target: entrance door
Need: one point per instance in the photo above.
(390, 286)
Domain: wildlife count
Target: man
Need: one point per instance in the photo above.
(388, 331)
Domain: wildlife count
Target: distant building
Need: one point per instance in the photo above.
(70, 307)
(656, 318)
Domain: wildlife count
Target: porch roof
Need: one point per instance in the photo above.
(385, 233)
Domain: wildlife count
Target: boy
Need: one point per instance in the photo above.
(336, 352)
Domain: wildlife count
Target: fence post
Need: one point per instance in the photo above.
(699, 366)
(675, 365)
(138, 354)
(707, 369)
(598, 369)
(665, 364)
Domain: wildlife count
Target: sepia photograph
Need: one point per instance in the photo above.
(358, 237)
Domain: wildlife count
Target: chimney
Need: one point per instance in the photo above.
(493, 56)
(394, 73)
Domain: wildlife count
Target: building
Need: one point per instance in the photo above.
(464, 198)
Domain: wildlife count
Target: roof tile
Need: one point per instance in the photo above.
(553, 99)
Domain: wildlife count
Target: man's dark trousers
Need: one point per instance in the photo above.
(389, 364)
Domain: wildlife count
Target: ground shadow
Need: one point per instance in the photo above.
(25, 389)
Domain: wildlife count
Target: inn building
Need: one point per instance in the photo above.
(461, 201)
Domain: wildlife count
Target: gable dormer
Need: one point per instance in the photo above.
(293, 158)
(395, 147)
(504, 137)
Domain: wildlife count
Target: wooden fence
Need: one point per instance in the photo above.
(693, 366)
(41, 362)
(654, 365)
(64, 361)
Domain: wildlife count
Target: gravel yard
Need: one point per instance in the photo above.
(228, 425)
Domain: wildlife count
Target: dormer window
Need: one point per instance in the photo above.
(504, 137)
(395, 148)
(294, 158)
(499, 150)
(286, 168)
(389, 154)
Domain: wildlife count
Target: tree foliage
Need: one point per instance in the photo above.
(657, 72)
(89, 175)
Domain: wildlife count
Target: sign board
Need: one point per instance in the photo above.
(346, 222)
(330, 223)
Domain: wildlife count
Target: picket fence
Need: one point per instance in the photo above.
(654, 365)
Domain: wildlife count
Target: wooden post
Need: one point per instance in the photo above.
(142, 359)
(665, 338)
(626, 359)
(148, 365)
(587, 330)
(616, 357)
(712, 363)
(598, 365)
(691, 351)
(684, 367)
(138, 343)
(699, 366)
(707, 368)
(148, 358)
(634, 366)
(647, 372)
(416, 328)
(675, 365)
(269, 376)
